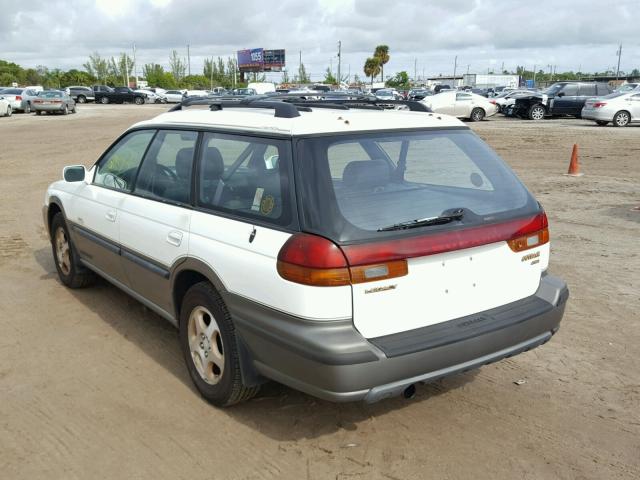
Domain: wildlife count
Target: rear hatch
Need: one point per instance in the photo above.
(434, 222)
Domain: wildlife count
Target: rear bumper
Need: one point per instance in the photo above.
(331, 360)
(596, 115)
(48, 108)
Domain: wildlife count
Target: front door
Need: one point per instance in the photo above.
(93, 213)
(155, 220)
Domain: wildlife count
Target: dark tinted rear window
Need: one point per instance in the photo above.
(354, 185)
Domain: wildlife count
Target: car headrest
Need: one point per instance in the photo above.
(366, 173)
(212, 164)
(184, 159)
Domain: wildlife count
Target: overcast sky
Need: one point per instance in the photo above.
(483, 34)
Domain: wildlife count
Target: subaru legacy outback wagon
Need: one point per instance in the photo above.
(346, 252)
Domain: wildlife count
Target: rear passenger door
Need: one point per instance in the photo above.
(585, 91)
(244, 214)
(634, 107)
(154, 221)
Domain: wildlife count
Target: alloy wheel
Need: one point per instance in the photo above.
(63, 253)
(205, 344)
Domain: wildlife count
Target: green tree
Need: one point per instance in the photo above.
(400, 80)
(635, 73)
(329, 78)
(372, 67)
(97, 67)
(75, 77)
(303, 77)
(382, 54)
(177, 66)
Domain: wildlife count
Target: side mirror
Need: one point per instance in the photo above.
(560, 94)
(74, 173)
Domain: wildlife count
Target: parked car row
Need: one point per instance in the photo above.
(29, 100)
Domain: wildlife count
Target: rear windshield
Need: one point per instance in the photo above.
(355, 187)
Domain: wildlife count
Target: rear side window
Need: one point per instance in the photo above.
(354, 186)
(603, 89)
(118, 168)
(246, 176)
(166, 170)
(588, 91)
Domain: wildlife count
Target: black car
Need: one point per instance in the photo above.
(105, 94)
(562, 98)
(419, 93)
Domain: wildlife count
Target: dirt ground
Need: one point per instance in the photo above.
(92, 385)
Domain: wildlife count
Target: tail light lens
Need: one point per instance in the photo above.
(599, 104)
(18, 98)
(532, 235)
(313, 260)
(492, 101)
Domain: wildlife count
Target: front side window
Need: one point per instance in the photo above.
(355, 186)
(246, 176)
(166, 170)
(118, 168)
(570, 90)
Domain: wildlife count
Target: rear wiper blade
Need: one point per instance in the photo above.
(456, 214)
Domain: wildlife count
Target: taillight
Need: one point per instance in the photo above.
(492, 101)
(599, 104)
(18, 98)
(532, 235)
(313, 260)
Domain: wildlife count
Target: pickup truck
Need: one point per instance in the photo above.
(105, 94)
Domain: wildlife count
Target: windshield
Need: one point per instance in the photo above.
(358, 184)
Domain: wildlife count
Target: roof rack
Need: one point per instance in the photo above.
(323, 99)
(282, 109)
(290, 105)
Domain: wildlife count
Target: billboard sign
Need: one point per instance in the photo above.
(261, 60)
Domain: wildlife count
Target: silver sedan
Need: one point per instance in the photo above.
(621, 109)
(54, 101)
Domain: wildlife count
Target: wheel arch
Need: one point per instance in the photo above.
(191, 271)
(187, 273)
(54, 207)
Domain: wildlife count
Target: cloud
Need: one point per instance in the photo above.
(569, 33)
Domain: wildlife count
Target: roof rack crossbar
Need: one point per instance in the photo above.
(282, 109)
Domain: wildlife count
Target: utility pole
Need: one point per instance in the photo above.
(455, 67)
(619, 54)
(211, 72)
(415, 70)
(468, 66)
(339, 63)
(135, 65)
(300, 68)
(534, 75)
(502, 68)
(189, 59)
(126, 71)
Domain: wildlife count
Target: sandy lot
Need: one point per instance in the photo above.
(92, 384)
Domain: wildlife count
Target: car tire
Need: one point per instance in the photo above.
(210, 349)
(138, 100)
(65, 110)
(27, 109)
(9, 111)
(477, 114)
(70, 271)
(104, 100)
(621, 119)
(38, 112)
(602, 123)
(81, 99)
(536, 112)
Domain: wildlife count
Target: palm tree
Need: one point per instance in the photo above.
(382, 54)
(372, 67)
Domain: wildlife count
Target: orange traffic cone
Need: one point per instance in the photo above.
(574, 166)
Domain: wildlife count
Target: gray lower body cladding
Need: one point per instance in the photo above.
(331, 360)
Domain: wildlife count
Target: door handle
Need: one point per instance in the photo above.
(174, 238)
(111, 215)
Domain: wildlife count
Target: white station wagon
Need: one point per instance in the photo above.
(346, 252)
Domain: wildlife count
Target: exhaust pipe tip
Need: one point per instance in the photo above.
(409, 392)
